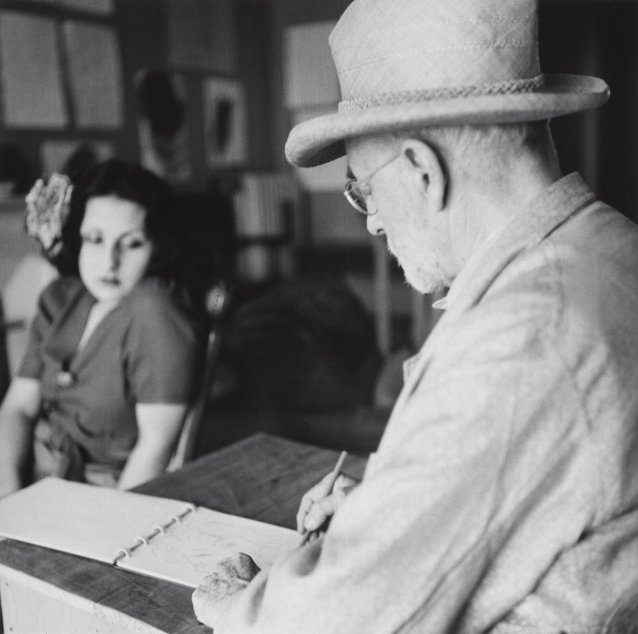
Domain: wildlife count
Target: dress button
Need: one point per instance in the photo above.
(65, 378)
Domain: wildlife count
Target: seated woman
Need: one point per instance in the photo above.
(116, 349)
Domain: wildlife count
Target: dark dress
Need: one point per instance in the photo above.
(149, 349)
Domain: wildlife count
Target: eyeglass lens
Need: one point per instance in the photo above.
(355, 197)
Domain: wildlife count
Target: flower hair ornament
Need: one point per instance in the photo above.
(47, 210)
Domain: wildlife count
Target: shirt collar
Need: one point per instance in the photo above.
(440, 304)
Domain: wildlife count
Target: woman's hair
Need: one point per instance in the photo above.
(134, 183)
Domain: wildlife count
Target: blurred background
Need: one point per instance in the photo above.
(204, 93)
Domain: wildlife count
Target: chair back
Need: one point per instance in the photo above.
(217, 303)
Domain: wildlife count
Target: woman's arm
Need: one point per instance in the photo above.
(18, 412)
(158, 428)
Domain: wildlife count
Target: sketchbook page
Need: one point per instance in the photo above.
(82, 519)
(188, 551)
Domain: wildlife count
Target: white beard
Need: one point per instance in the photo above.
(426, 277)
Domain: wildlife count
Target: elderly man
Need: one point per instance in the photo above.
(503, 496)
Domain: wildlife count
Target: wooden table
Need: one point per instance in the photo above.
(261, 477)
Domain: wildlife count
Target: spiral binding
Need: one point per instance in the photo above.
(125, 553)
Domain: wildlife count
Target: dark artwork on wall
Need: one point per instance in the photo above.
(224, 123)
(162, 125)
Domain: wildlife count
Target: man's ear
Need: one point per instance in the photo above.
(426, 171)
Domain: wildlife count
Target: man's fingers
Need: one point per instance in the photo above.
(228, 577)
(200, 606)
(319, 512)
(318, 494)
(312, 496)
(308, 502)
(209, 604)
(239, 566)
(304, 507)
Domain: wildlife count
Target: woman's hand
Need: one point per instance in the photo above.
(317, 506)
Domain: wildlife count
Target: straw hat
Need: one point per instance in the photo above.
(416, 63)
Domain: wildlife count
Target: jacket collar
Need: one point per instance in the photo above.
(525, 229)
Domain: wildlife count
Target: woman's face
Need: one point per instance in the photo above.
(115, 250)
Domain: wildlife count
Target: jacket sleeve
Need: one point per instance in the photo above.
(469, 470)
(591, 587)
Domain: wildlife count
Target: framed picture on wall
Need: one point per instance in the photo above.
(31, 78)
(162, 125)
(94, 74)
(225, 133)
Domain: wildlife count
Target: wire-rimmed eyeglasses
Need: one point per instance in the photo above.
(357, 191)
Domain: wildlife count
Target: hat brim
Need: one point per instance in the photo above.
(322, 139)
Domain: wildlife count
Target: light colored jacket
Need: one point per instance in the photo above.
(506, 484)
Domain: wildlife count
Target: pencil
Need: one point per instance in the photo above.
(334, 474)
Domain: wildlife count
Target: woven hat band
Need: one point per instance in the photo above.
(510, 87)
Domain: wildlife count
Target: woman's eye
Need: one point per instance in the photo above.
(90, 238)
(135, 243)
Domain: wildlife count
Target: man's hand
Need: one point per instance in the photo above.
(317, 506)
(212, 596)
